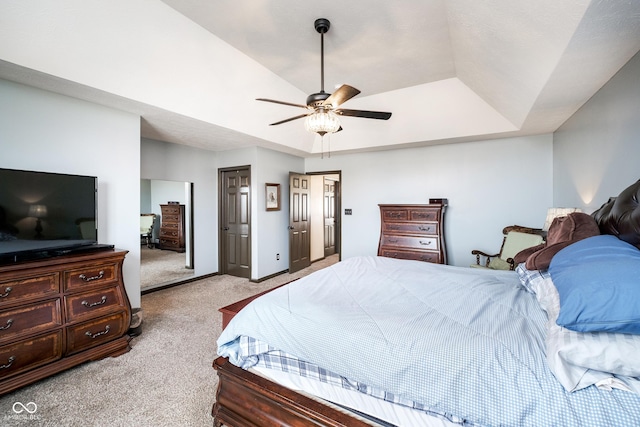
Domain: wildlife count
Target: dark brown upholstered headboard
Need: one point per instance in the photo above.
(620, 216)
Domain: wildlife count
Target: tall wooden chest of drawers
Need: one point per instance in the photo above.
(59, 312)
(172, 227)
(413, 232)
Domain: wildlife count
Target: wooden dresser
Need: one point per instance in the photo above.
(413, 232)
(172, 227)
(59, 312)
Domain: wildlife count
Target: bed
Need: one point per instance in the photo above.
(380, 341)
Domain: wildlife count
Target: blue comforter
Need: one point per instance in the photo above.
(459, 341)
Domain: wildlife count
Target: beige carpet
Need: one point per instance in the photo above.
(159, 267)
(165, 380)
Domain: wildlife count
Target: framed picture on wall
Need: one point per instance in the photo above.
(273, 197)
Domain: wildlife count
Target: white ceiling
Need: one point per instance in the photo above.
(449, 70)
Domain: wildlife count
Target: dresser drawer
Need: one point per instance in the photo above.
(169, 230)
(29, 354)
(410, 228)
(93, 303)
(416, 256)
(425, 243)
(95, 332)
(170, 243)
(422, 214)
(26, 288)
(29, 319)
(99, 274)
(170, 220)
(395, 214)
(170, 210)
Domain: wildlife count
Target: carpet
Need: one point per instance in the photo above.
(165, 380)
(159, 267)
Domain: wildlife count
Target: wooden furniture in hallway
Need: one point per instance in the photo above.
(172, 227)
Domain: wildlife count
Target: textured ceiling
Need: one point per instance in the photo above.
(454, 70)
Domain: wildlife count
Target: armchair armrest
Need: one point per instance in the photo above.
(479, 253)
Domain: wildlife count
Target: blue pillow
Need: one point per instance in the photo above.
(598, 280)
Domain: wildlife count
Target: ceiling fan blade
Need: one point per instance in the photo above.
(380, 115)
(343, 94)
(281, 102)
(289, 119)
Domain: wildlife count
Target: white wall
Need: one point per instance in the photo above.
(271, 235)
(44, 131)
(596, 152)
(489, 184)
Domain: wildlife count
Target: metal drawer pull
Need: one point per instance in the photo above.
(89, 279)
(97, 334)
(8, 365)
(427, 243)
(7, 326)
(393, 240)
(7, 291)
(423, 228)
(89, 305)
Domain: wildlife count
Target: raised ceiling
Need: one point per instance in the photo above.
(449, 70)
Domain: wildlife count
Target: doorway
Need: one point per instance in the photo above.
(314, 217)
(235, 221)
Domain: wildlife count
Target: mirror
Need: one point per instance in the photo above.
(166, 257)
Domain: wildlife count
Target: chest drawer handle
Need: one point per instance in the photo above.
(93, 304)
(9, 363)
(7, 291)
(423, 228)
(89, 279)
(423, 243)
(7, 326)
(97, 334)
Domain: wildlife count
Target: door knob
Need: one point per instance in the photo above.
(291, 227)
(225, 228)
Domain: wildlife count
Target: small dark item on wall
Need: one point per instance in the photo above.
(444, 202)
(272, 197)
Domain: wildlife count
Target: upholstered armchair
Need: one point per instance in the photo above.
(516, 238)
(146, 228)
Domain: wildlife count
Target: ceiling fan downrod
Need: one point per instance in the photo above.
(322, 26)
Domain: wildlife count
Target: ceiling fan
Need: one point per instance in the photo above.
(323, 108)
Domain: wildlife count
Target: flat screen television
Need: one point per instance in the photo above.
(46, 214)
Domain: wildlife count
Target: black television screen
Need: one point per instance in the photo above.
(43, 213)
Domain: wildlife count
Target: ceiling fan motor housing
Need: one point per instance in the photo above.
(322, 25)
(315, 99)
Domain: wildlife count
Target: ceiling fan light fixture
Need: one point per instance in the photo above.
(322, 122)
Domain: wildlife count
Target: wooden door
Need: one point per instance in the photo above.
(235, 222)
(299, 236)
(329, 209)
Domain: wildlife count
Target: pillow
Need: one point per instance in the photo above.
(578, 359)
(598, 280)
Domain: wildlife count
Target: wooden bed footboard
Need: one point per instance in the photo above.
(244, 399)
